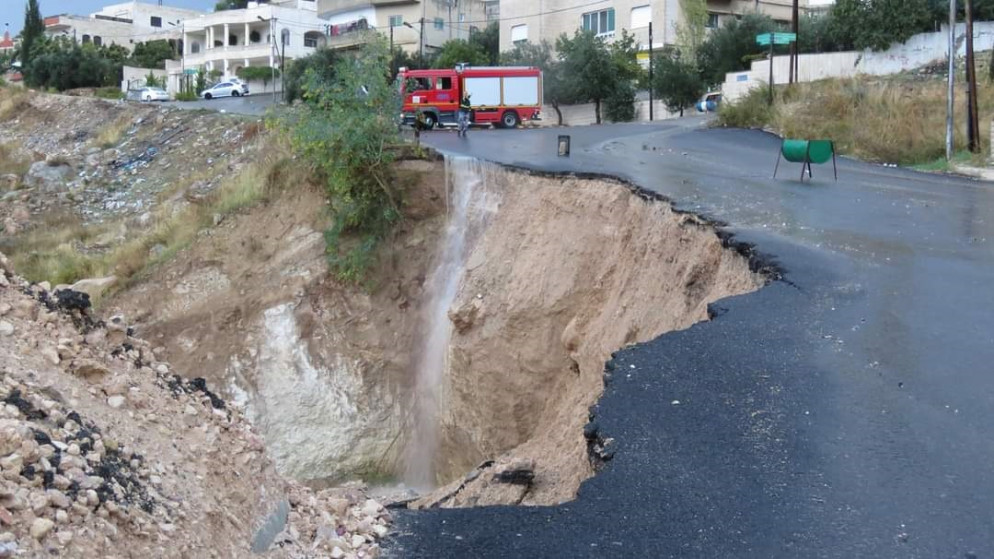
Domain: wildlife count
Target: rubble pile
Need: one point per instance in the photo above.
(75, 165)
(106, 451)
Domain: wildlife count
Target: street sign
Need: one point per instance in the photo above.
(190, 71)
(776, 38)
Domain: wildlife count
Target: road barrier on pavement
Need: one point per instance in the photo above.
(807, 152)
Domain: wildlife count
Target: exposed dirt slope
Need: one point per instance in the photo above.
(567, 272)
(105, 452)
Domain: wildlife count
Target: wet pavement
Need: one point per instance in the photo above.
(844, 410)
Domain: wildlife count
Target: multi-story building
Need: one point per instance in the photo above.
(528, 20)
(414, 25)
(122, 24)
(228, 40)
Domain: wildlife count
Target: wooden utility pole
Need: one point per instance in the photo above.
(793, 46)
(973, 121)
(951, 80)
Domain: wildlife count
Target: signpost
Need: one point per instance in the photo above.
(774, 39)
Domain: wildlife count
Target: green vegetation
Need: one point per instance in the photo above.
(346, 129)
(459, 50)
(265, 74)
(230, 5)
(60, 64)
(321, 64)
(877, 24)
(34, 31)
(897, 119)
(152, 54)
(109, 93)
(676, 81)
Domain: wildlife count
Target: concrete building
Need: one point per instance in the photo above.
(7, 43)
(414, 25)
(122, 24)
(527, 20)
(228, 40)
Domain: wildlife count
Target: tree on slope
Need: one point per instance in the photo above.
(34, 31)
(877, 24)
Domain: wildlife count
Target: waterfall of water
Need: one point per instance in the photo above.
(467, 209)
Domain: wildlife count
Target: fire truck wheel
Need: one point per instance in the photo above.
(429, 121)
(509, 120)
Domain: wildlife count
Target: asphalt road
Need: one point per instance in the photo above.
(844, 410)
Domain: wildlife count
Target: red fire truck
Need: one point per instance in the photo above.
(502, 96)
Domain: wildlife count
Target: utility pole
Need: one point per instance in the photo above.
(421, 42)
(793, 46)
(771, 69)
(951, 78)
(650, 72)
(973, 124)
(392, 57)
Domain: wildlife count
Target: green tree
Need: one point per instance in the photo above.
(455, 51)
(877, 24)
(34, 30)
(587, 71)
(732, 47)
(321, 62)
(346, 127)
(223, 5)
(816, 33)
(152, 54)
(620, 103)
(63, 65)
(676, 82)
(488, 40)
(540, 56)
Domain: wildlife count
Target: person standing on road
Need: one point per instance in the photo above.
(464, 109)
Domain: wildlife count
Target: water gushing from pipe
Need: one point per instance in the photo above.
(466, 208)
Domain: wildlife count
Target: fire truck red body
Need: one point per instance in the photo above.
(502, 96)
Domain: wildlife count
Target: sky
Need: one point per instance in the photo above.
(12, 11)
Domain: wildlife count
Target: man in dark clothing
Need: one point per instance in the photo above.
(464, 112)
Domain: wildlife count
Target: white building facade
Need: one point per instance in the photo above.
(122, 24)
(260, 35)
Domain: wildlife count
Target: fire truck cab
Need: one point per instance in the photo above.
(502, 96)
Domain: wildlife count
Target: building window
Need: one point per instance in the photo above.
(285, 37)
(97, 40)
(519, 33)
(439, 23)
(155, 21)
(232, 40)
(255, 37)
(601, 23)
(194, 48)
(712, 21)
(641, 16)
(312, 38)
(86, 39)
(396, 21)
(492, 9)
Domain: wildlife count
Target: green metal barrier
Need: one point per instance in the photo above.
(807, 152)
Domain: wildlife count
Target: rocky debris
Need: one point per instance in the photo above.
(105, 451)
(48, 176)
(94, 287)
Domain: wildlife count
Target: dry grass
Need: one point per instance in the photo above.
(11, 163)
(893, 119)
(112, 133)
(13, 102)
(56, 251)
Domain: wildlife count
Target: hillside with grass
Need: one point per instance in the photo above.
(898, 119)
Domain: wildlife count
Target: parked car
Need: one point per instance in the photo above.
(709, 103)
(152, 94)
(225, 89)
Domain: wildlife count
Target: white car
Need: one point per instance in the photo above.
(225, 89)
(153, 94)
